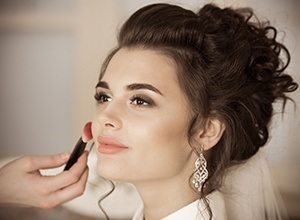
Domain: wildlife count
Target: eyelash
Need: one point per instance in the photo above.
(137, 100)
(146, 101)
(100, 97)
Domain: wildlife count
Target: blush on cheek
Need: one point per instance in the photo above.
(94, 129)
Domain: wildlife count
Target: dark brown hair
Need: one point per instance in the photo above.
(229, 66)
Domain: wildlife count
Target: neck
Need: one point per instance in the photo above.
(163, 197)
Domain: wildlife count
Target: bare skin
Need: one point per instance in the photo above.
(22, 184)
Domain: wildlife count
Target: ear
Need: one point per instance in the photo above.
(211, 134)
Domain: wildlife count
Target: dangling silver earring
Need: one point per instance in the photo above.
(201, 173)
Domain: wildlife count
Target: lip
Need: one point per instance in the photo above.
(109, 145)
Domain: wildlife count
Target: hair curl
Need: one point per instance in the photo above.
(229, 65)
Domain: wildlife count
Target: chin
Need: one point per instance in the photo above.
(110, 171)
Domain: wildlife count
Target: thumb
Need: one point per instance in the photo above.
(32, 163)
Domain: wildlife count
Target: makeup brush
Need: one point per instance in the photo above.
(80, 146)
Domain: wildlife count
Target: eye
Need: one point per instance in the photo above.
(141, 100)
(102, 97)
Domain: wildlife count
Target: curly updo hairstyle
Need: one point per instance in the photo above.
(229, 65)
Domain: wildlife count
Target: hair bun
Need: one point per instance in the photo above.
(248, 64)
(225, 21)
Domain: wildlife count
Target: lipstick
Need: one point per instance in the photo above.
(109, 145)
(80, 146)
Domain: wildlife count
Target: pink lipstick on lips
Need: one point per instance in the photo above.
(110, 146)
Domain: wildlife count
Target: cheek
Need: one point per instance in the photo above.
(161, 138)
(164, 148)
(169, 129)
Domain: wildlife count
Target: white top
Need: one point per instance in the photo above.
(195, 210)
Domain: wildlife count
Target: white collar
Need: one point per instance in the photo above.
(195, 210)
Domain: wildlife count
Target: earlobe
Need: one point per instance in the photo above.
(211, 134)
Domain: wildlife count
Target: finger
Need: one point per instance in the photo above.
(32, 163)
(68, 193)
(67, 177)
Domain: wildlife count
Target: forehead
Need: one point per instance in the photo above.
(142, 65)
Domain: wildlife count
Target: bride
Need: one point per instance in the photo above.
(184, 104)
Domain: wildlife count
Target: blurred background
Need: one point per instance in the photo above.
(50, 55)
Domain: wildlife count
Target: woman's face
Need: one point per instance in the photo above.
(140, 130)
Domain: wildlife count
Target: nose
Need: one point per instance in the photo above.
(109, 117)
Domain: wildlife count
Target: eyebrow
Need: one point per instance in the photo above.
(137, 86)
(131, 87)
(103, 85)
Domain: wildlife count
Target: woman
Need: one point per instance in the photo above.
(182, 99)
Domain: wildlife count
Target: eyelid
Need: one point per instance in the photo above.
(103, 91)
(100, 94)
(144, 98)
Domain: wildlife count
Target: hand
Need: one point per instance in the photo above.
(21, 182)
